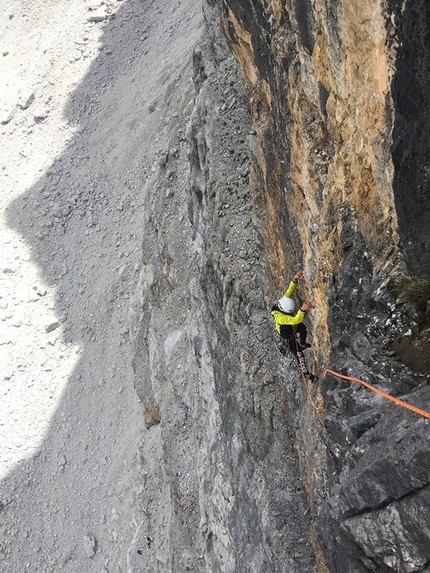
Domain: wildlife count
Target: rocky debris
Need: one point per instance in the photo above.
(40, 290)
(98, 13)
(26, 98)
(40, 113)
(51, 324)
(90, 545)
(164, 157)
(7, 114)
(73, 179)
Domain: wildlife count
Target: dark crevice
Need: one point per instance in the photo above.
(384, 504)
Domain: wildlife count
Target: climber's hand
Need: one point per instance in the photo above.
(298, 276)
(306, 306)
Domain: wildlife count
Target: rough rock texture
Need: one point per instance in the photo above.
(113, 94)
(221, 490)
(167, 189)
(338, 95)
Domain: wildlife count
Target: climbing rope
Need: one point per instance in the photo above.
(318, 408)
(396, 400)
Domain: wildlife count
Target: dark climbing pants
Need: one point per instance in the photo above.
(287, 332)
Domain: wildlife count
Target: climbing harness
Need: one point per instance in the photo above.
(384, 394)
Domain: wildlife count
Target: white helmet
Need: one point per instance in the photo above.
(286, 305)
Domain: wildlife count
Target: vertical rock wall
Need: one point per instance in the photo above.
(339, 185)
(319, 84)
(292, 154)
(221, 488)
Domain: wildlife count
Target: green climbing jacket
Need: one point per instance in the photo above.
(282, 318)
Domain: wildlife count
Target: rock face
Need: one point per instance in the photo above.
(167, 176)
(293, 150)
(337, 93)
(221, 483)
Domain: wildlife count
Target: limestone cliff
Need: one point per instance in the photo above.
(305, 150)
(221, 486)
(339, 99)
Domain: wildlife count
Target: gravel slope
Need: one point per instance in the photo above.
(83, 126)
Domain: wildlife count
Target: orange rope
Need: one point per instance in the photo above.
(320, 405)
(396, 400)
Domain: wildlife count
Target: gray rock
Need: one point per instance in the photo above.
(39, 114)
(51, 324)
(98, 15)
(7, 114)
(90, 545)
(26, 98)
(378, 477)
(41, 291)
(163, 159)
(52, 340)
(404, 528)
(189, 108)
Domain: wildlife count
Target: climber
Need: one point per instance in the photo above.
(291, 328)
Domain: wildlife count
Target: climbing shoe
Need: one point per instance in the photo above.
(304, 346)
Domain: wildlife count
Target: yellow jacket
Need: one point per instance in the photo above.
(282, 318)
